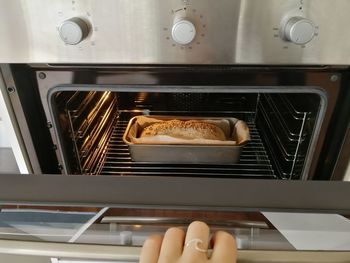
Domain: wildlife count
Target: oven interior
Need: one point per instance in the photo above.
(282, 126)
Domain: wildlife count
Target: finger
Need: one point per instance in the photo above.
(196, 230)
(150, 249)
(172, 245)
(224, 248)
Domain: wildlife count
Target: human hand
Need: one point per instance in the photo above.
(171, 248)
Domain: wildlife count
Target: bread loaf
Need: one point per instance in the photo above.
(191, 129)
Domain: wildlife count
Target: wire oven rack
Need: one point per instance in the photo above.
(283, 130)
(91, 118)
(254, 161)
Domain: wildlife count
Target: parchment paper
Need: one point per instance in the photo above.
(236, 131)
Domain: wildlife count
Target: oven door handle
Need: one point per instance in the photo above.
(69, 251)
(142, 220)
(73, 253)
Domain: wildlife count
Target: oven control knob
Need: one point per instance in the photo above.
(73, 31)
(183, 32)
(299, 30)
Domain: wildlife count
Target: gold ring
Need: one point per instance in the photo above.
(196, 241)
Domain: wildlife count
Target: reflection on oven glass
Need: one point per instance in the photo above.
(131, 227)
(41, 224)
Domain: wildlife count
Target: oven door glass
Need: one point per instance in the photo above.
(305, 236)
(92, 209)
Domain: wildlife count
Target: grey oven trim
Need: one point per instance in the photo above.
(125, 254)
(51, 116)
(177, 193)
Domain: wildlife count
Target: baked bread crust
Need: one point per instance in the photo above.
(190, 129)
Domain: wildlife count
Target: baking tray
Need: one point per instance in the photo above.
(185, 153)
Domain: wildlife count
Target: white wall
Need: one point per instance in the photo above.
(8, 136)
(4, 140)
(347, 174)
(4, 133)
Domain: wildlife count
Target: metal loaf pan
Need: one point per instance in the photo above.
(184, 153)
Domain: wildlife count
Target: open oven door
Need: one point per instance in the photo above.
(106, 219)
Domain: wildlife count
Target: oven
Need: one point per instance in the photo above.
(74, 73)
(84, 113)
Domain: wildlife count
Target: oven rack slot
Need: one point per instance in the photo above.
(284, 134)
(92, 162)
(254, 161)
(287, 123)
(87, 114)
(284, 146)
(91, 123)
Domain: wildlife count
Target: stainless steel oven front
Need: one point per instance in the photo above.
(74, 73)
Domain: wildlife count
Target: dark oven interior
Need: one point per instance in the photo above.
(92, 124)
